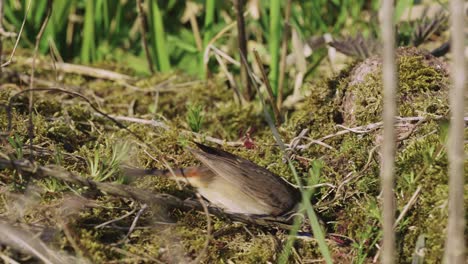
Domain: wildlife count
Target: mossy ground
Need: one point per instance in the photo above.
(69, 133)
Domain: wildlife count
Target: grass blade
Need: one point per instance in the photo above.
(274, 43)
(159, 37)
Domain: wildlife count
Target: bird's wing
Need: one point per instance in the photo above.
(255, 181)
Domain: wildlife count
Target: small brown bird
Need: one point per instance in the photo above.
(236, 184)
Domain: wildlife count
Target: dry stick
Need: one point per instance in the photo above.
(166, 127)
(284, 53)
(19, 35)
(134, 222)
(230, 78)
(87, 71)
(268, 88)
(224, 55)
(388, 149)
(144, 40)
(116, 219)
(455, 248)
(6, 258)
(138, 194)
(407, 207)
(206, 52)
(31, 82)
(242, 40)
(195, 30)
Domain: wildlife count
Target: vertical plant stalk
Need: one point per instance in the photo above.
(88, 49)
(208, 32)
(1, 36)
(242, 40)
(388, 148)
(274, 106)
(284, 52)
(159, 37)
(455, 242)
(274, 40)
(196, 31)
(31, 82)
(144, 39)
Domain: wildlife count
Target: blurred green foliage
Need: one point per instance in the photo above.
(87, 31)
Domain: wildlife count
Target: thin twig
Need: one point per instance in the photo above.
(230, 78)
(400, 217)
(455, 248)
(31, 82)
(134, 222)
(85, 70)
(266, 81)
(144, 39)
(1, 36)
(242, 41)
(224, 55)
(28, 7)
(408, 206)
(371, 127)
(166, 127)
(284, 53)
(389, 80)
(116, 219)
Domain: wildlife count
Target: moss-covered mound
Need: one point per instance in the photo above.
(164, 109)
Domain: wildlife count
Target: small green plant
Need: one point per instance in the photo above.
(104, 165)
(366, 240)
(53, 185)
(17, 144)
(195, 117)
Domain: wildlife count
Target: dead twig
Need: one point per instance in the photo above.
(230, 78)
(28, 7)
(116, 219)
(85, 70)
(31, 82)
(134, 222)
(273, 104)
(242, 41)
(144, 40)
(408, 206)
(284, 53)
(166, 127)
(371, 127)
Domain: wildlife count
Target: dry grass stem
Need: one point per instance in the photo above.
(389, 80)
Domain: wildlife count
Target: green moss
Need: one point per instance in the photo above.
(422, 89)
(349, 201)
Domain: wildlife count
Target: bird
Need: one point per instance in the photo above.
(234, 184)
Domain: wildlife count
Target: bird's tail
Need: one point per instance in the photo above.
(177, 173)
(138, 172)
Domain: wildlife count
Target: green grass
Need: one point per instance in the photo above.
(104, 162)
(158, 37)
(88, 31)
(195, 117)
